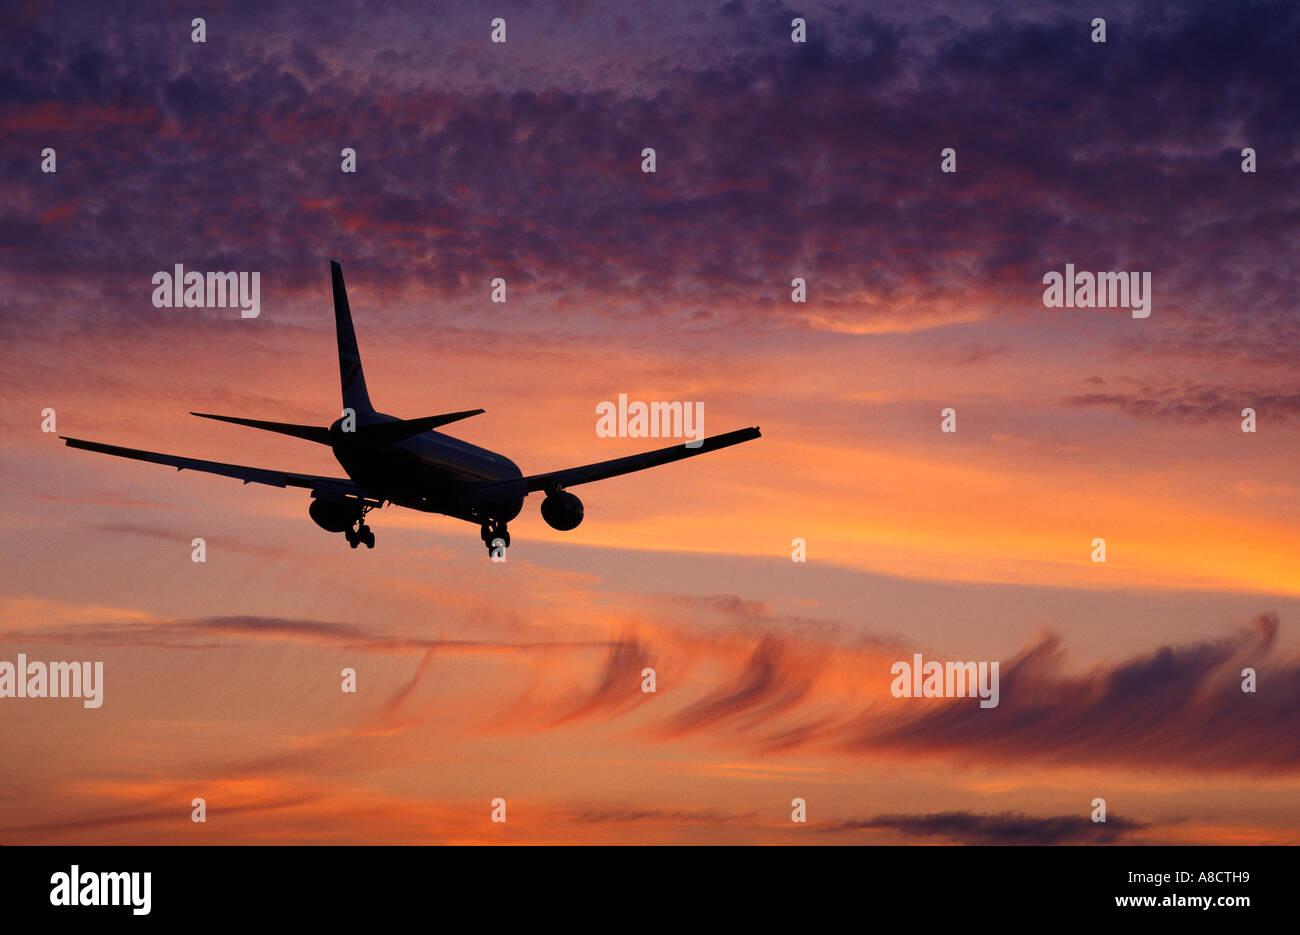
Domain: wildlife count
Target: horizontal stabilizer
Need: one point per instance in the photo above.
(380, 433)
(390, 433)
(313, 433)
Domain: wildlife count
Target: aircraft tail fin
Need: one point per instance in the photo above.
(351, 376)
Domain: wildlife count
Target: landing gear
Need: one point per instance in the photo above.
(361, 534)
(491, 531)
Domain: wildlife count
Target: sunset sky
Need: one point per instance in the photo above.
(775, 160)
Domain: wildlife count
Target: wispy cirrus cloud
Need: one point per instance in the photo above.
(1122, 713)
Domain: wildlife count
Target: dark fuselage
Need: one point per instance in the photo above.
(426, 471)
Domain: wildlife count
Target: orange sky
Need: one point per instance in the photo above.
(521, 679)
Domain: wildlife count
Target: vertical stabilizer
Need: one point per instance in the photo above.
(352, 378)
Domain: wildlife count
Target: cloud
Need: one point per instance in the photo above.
(659, 816)
(760, 686)
(770, 684)
(782, 691)
(184, 634)
(818, 160)
(1197, 403)
(405, 692)
(161, 815)
(1004, 828)
(1179, 708)
(626, 660)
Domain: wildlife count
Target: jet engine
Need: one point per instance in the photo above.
(562, 511)
(333, 515)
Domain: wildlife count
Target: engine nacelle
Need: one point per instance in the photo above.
(333, 515)
(562, 511)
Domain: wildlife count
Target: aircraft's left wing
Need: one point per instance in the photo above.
(587, 473)
(246, 474)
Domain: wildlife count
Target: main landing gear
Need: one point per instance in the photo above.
(491, 531)
(362, 532)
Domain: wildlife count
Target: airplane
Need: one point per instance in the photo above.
(406, 463)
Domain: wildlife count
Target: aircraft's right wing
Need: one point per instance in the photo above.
(249, 475)
(601, 470)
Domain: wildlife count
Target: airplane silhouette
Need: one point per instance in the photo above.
(407, 463)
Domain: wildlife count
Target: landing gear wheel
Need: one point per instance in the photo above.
(491, 532)
(360, 532)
